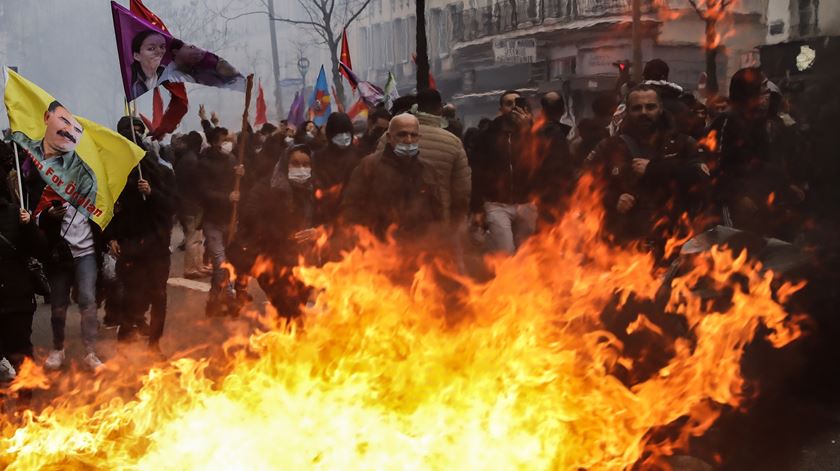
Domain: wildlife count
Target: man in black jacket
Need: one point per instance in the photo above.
(333, 165)
(745, 174)
(652, 173)
(555, 177)
(189, 204)
(217, 170)
(19, 240)
(139, 237)
(503, 168)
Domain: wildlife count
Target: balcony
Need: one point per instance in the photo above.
(509, 15)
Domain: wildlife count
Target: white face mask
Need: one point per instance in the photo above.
(310, 134)
(407, 150)
(227, 146)
(300, 174)
(290, 140)
(343, 140)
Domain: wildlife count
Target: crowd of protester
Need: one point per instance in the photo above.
(661, 153)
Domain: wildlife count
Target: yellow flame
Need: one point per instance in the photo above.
(399, 373)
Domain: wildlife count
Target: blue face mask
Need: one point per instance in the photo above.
(407, 150)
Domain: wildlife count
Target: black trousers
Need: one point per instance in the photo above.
(144, 285)
(16, 336)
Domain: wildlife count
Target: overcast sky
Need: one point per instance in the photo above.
(67, 47)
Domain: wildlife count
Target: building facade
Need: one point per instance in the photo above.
(479, 48)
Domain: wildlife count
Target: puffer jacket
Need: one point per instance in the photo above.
(386, 189)
(444, 156)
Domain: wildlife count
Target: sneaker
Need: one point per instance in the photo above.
(54, 360)
(92, 362)
(7, 371)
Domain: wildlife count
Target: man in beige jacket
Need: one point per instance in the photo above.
(444, 154)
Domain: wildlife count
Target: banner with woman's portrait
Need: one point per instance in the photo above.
(150, 57)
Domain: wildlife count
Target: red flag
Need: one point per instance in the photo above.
(260, 117)
(142, 11)
(157, 109)
(178, 102)
(175, 111)
(345, 59)
(359, 108)
(146, 121)
(432, 83)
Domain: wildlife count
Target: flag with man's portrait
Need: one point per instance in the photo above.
(88, 164)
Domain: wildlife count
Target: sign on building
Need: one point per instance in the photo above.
(515, 51)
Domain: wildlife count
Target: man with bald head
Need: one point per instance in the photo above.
(392, 187)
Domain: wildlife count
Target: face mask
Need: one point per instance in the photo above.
(310, 135)
(227, 146)
(289, 140)
(407, 150)
(300, 174)
(343, 140)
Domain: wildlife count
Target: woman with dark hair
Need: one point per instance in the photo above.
(287, 198)
(148, 48)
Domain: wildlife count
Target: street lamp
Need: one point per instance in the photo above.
(303, 68)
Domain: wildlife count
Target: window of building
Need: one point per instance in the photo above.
(562, 67)
(388, 33)
(378, 47)
(412, 36)
(808, 17)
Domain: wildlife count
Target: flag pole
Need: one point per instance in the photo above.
(19, 179)
(241, 157)
(133, 111)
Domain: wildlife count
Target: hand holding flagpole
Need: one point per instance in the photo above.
(249, 86)
(133, 112)
(19, 178)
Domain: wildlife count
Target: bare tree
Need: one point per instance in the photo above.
(326, 19)
(711, 11)
(195, 22)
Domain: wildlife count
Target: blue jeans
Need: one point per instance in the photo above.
(214, 238)
(83, 273)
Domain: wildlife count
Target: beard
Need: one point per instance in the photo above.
(644, 126)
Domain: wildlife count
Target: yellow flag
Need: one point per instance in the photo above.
(93, 161)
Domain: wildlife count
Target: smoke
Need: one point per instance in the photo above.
(69, 50)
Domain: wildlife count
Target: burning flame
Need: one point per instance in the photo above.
(404, 364)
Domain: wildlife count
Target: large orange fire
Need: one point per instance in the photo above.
(394, 372)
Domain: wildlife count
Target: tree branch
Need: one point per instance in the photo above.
(697, 9)
(356, 15)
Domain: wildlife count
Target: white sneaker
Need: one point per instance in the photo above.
(92, 361)
(7, 371)
(54, 360)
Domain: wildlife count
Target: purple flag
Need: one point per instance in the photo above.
(149, 56)
(296, 111)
